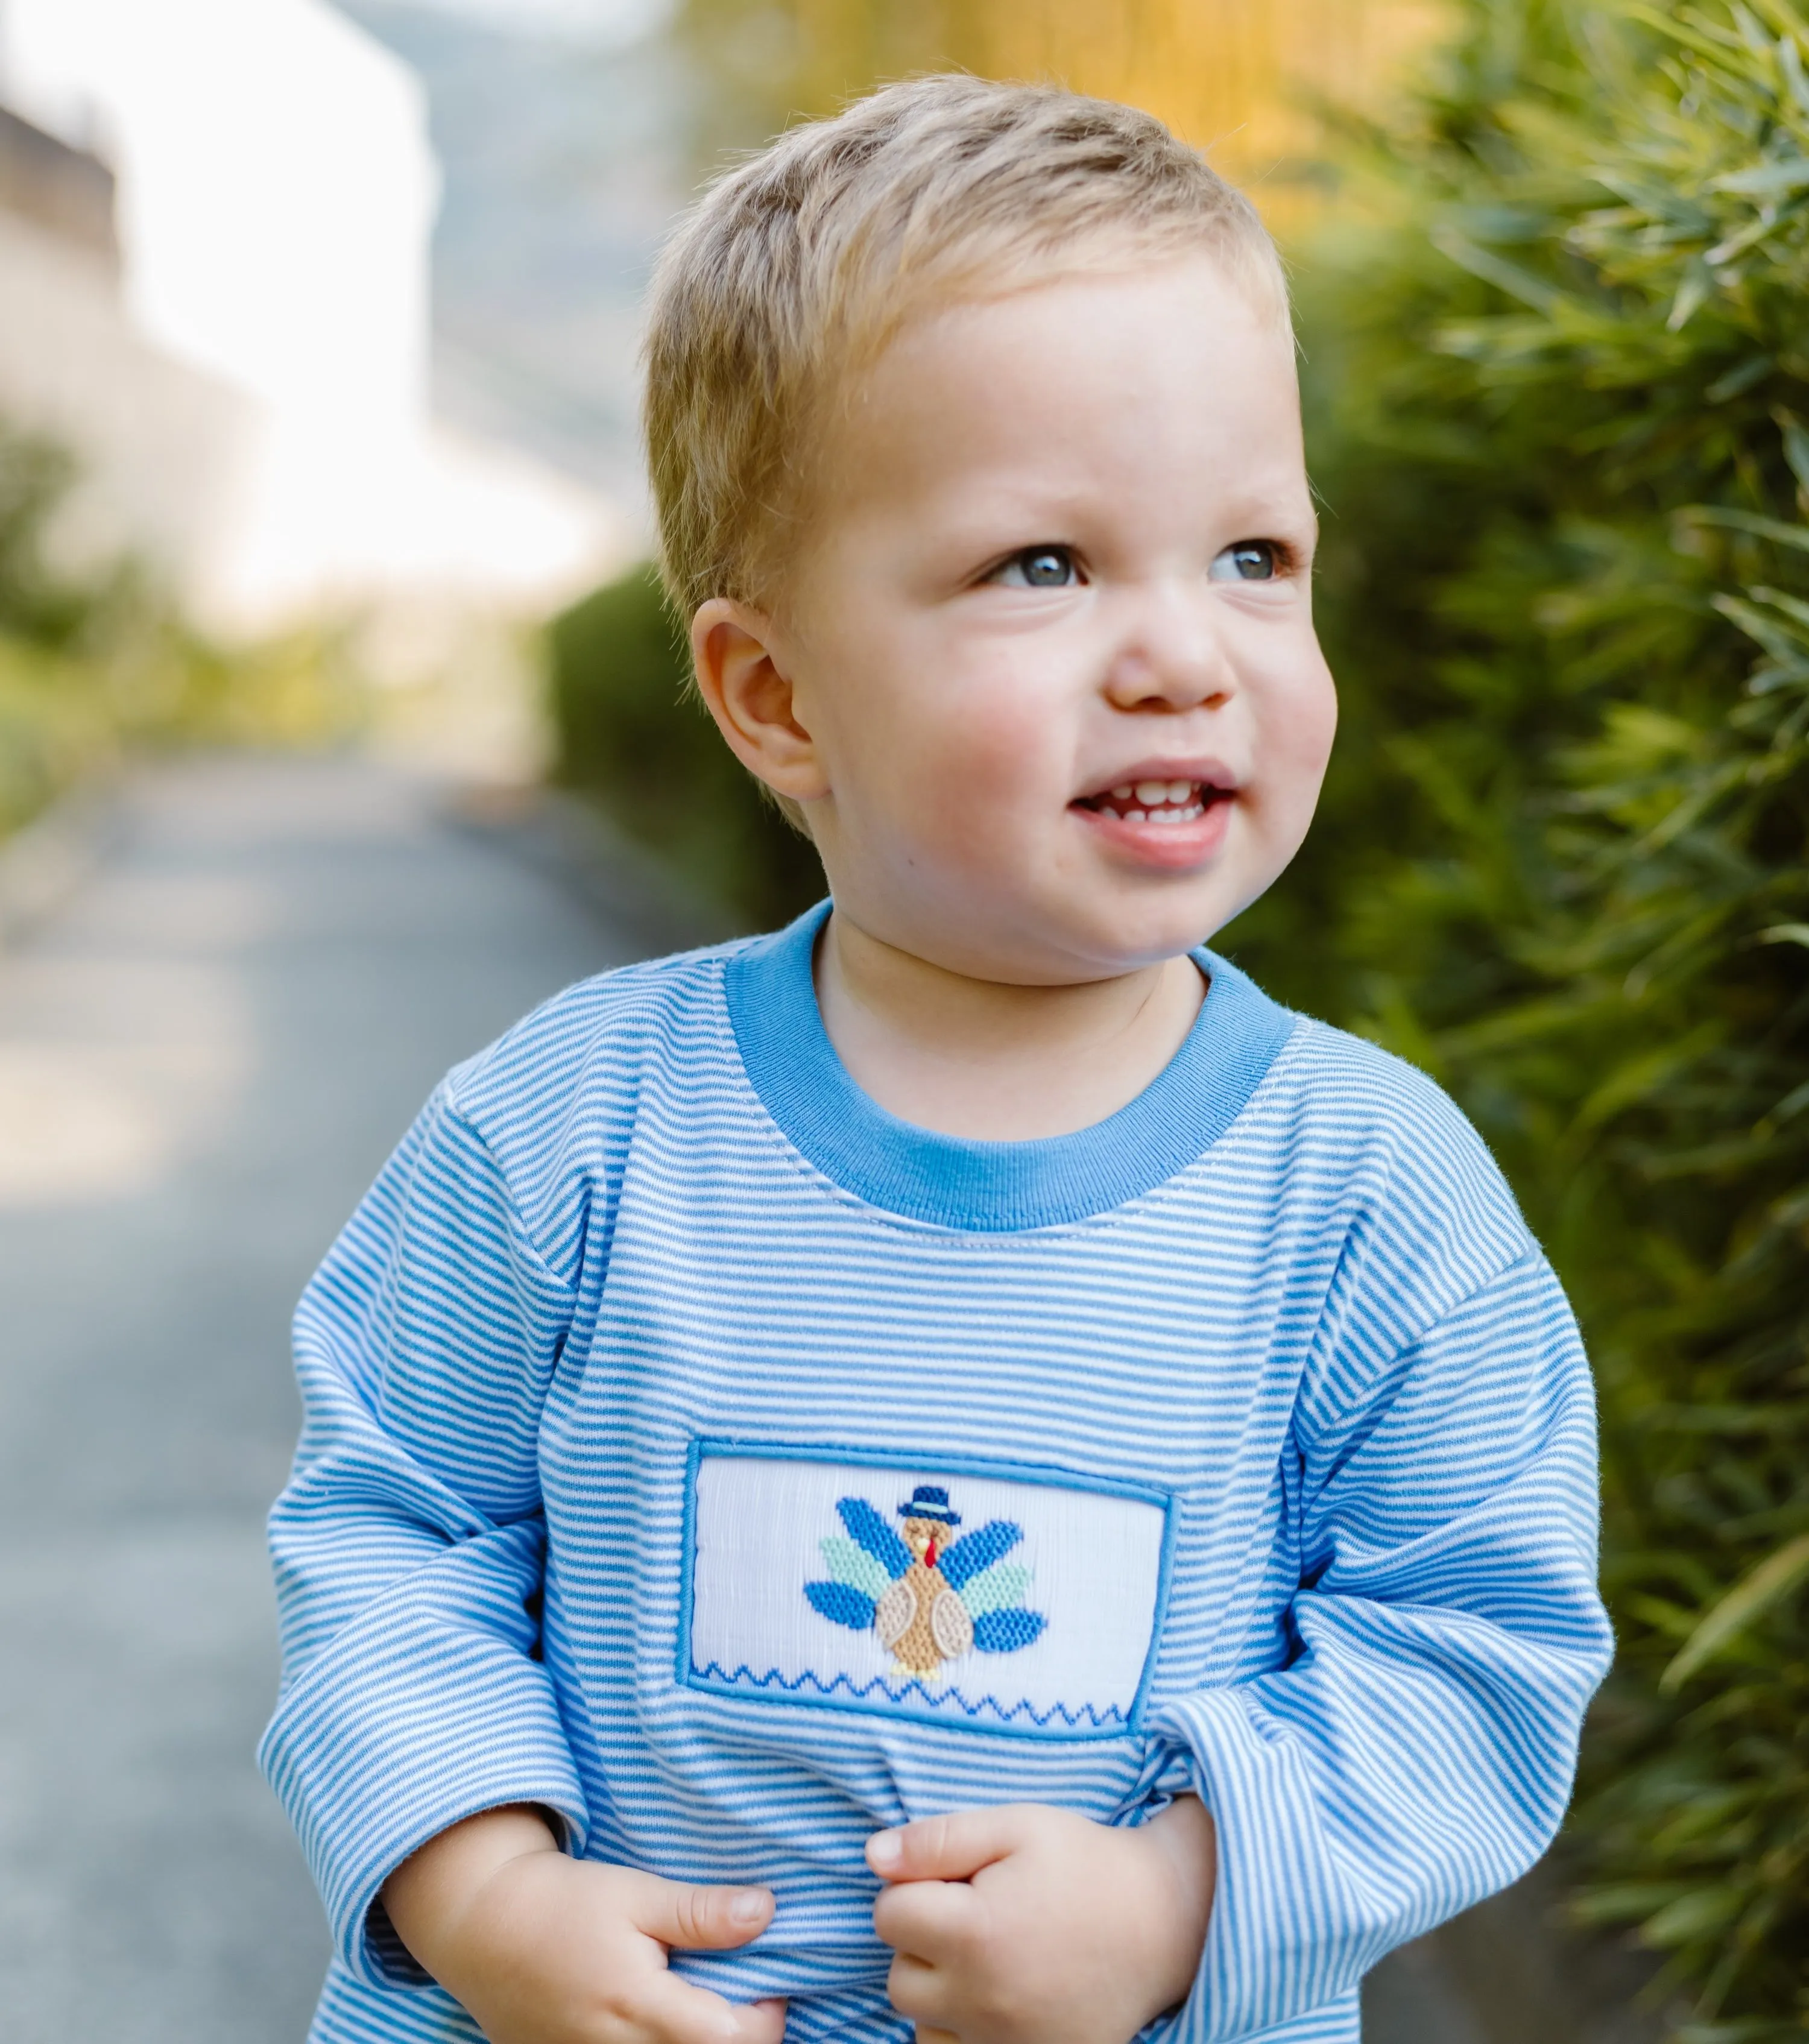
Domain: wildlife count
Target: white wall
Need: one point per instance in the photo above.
(168, 455)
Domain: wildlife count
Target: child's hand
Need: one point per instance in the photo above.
(542, 1949)
(1026, 1925)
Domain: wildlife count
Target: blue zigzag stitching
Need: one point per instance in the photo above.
(773, 1679)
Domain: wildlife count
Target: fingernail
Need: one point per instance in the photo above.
(747, 1905)
(884, 1849)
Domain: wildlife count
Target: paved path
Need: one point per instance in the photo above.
(205, 1055)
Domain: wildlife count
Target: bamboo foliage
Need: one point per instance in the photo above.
(1558, 383)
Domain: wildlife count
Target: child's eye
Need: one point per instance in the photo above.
(1039, 568)
(1248, 560)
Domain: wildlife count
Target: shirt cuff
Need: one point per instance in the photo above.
(1280, 1942)
(411, 1719)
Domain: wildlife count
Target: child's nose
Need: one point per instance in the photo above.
(1178, 668)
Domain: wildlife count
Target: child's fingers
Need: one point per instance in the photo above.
(677, 2013)
(760, 2023)
(918, 1992)
(951, 1848)
(698, 1919)
(930, 1919)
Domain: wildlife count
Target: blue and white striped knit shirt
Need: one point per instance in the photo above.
(695, 1449)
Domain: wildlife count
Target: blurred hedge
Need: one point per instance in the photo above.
(1558, 352)
(632, 735)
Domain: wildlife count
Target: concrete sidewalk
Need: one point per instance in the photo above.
(205, 1054)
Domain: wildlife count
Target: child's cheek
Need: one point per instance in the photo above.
(978, 771)
(1297, 721)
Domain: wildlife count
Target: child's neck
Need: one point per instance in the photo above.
(994, 1062)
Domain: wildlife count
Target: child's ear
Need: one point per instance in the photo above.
(743, 678)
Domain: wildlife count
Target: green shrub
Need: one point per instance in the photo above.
(54, 729)
(632, 735)
(1558, 379)
(93, 667)
(55, 726)
(37, 604)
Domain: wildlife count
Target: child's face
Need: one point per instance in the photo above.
(1050, 631)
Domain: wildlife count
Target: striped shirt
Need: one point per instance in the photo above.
(697, 1450)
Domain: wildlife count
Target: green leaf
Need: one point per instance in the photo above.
(1739, 378)
(1754, 2029)
(1628, 1903)
(1668, 24)
(1796, 446)
(1765, 180)
(1749, 521)
(1774, 1578)
(1639, 1076)
(1707, 1910)
(1493, 269)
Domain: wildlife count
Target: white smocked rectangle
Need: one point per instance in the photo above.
(1005, 1596)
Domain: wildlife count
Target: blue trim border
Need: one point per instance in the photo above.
(773, 1687)
(769, 989)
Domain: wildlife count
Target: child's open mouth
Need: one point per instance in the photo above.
(1171, 820)
(1155, 801)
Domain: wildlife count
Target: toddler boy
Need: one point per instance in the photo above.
(955, 1466)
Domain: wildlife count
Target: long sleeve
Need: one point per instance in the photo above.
(1417, 1752)
(409, 1545)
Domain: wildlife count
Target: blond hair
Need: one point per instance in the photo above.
(798, 266)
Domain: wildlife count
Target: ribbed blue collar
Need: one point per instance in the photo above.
(989, 1187)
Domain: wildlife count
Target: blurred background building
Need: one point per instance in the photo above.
(216, 223)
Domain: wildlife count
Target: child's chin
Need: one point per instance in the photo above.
(1126, 929)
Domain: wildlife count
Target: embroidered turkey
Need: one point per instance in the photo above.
(928, 1596)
